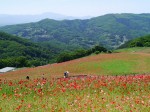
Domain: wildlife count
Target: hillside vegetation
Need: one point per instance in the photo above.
(111, 30)
(67, 56)
(18, 52)
(143, 41)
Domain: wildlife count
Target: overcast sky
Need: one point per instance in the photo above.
(74, 7)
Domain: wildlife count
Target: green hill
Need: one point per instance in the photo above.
(143, 41)
(18, 52)
(111, 30)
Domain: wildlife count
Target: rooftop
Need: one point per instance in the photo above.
(6, 69)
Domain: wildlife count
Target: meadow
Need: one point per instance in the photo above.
(117, 82)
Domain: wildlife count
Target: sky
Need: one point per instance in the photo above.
(76, 8)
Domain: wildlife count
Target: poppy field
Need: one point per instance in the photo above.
(77, 94)
(117, 82)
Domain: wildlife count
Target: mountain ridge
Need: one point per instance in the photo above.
(110, 30)
(20, 19)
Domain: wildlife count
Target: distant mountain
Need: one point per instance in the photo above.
(18, 52)
(20, 19)
(143, 41)
(111, 30)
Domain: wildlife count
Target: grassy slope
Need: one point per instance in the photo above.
(103, 64)
(135, 49)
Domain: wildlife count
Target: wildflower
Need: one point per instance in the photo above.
(29, 106)
(39, 90)
(63, 89)
(19, 107)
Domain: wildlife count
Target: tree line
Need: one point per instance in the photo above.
(66, 56)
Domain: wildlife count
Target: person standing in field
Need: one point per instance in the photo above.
(27, 77)
(43, 77)
(66, 74)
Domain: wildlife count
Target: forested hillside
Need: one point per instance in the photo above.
(143, 41)
(18, 52)
(111, 30)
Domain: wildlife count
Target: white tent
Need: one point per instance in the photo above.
(6, 69)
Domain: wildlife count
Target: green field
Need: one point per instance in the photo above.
(134, 50)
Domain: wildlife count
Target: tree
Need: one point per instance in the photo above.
(99, 48)
(64, 57)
